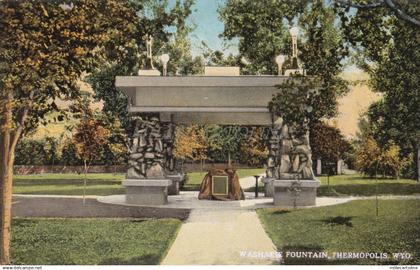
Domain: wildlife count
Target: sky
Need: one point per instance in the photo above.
(208, 27)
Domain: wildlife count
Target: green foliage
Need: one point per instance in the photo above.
(219, 143)
(91, 241)
(295, 103)
(387, 48)
(328, 143)
(371, 159)
(190, 143)
(253, 148)
(218, 58)
(37, 152)
(395, 230)
(69, 156)
(45, 48)
(158, 20)
(261, 30)
(224, 142)
(261, 27)
(323, 52)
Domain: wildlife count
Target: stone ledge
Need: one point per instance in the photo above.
(304, 183)
(175, 177)
(147, 183)
(266, 180)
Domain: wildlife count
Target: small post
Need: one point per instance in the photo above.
(256, 185)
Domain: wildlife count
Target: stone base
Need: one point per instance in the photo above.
(173, 189)
(146, 191)
(148, 72)
(268, 186)
(283, 196)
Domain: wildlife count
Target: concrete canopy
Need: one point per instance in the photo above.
(225, 100)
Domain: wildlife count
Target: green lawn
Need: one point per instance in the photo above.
(97, 183)
(195, 178)
(109, 183)
(68, 184)
(357, 185)
(91, 241)
(349, 227)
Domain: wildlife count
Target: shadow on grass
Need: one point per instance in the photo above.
(138, 220)
(339, 220)
(147, 259)
(280, 212)
(23, 222)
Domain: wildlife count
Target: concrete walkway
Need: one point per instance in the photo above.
(220, 237)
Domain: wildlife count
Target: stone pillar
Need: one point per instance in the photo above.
(318, 166)
(272, 171)
(340, 166)
(169, 161)
(146, 183)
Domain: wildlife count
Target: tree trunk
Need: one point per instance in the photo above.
(6, 170)
(6, 177)
(229, 162)
(418, 162)
(84, 182)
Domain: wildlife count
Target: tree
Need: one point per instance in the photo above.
(393, 6)
(37, 152)
(156, 20)
(261, 27)
(328, 143)
(190, 143)
(371, 159)
(261, 30)
(224, 142)
(253, 148)
(387, 48)
(367, 157)
(44, 49)
(89, 140)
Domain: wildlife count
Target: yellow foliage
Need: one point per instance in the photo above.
(190, 143)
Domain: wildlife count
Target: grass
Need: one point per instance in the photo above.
(349, 227)
(91, 241)
(100, 184)
(108, 184)
(68, 184)
(357, 185)
(195, 178)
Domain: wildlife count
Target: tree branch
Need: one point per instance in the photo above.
(355, 5)
(388, 3)
(400, 13)
(21, 124)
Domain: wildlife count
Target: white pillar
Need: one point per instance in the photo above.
(340, 166)
(318, 166)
